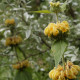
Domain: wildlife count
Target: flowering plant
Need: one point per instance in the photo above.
(24, 71)
(59, 32)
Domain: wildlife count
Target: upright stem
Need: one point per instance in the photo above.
(56, 17)
(16, 54)
(63, 61)
(24, 55)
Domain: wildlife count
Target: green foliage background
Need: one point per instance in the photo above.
(35, 44)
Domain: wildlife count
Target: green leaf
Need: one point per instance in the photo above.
(58, 48)
(2, 6)
(36, 76)
(63, 7)
(18, 75)
(24, 74)
(42, 11)
(28, 73)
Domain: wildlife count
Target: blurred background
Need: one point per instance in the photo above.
(30, 26)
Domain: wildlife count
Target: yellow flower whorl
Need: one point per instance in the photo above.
(70, 72)
(10, 22)
(54, 29)
(51, 29)
(13, 40)
(23, 64)
(57, 73)
(55, 4)
(55, 7)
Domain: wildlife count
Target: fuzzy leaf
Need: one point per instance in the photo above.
(24, 74)
(58, 49)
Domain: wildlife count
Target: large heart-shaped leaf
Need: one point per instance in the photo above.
(58, 48)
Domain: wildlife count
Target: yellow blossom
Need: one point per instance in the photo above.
(8, 41)
(62, 77)
(13, 40)
(23, 64)
(76, 67)
(69, 74)
(63, 26)
(10, 22)
(51, 26)
(49, 29)
(7, 21)
(69, 63)
(17, 39)
(49, 35)
(57, 73)
(66, 23)
(51, 72)
(57, 3)
(74, 70)
(53, 29)
(59, 68)
(52, 4)
(71, 71)
(46, 31)
(55, 32)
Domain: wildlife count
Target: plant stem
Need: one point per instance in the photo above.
(16, 54)
(63, 61)
(24, 55)
(56, 17)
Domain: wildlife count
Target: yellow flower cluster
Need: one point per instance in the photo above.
(55, 7)
(70, 72)
(55, 4)
(10, 22)
(57, 73)
(55, 29)
(23, 64)
(13, 40)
